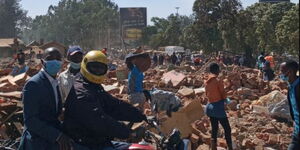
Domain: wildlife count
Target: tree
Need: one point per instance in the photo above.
(93, 24)
(266, 26)
(287, 31)
(227, 25)
(11, 18)
(167, 31)
(207, 13)
(147, 34)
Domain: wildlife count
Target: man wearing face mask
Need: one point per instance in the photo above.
(92, 115)
(42, 106)
(289, 71)
(66, 79)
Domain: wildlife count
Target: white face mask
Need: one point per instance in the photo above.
(75, 66)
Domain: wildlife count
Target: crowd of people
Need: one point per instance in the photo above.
(71, 110)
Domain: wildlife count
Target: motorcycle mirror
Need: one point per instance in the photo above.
(155, 123)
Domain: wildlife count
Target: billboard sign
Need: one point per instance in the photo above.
(133, 21)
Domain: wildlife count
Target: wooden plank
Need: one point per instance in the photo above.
(5, 79)
(14, 95)
(19, 127)
(3, 132)
(8, 117)
(18, 79)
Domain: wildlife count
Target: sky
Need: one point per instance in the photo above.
(155, 8)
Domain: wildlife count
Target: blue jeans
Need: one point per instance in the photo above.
(295, 145)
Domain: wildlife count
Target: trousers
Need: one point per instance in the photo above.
(215, 127)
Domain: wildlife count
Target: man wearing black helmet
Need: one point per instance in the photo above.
(92, 115)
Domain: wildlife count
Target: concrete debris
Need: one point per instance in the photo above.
(186, 92)
(174, 77)
(255, 104)
(182, 119)
(276, 104)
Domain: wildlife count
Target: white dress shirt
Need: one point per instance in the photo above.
(54, 84)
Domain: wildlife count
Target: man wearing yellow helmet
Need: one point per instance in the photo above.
(91, 114)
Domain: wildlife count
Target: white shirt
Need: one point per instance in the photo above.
(65, 82)
(54, 84)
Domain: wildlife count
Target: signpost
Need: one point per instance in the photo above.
(132, 22)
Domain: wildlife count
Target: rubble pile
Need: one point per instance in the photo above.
(253, 112)
(11, 108)
(249, 131)
(250, 111)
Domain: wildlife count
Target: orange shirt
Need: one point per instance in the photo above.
(214, 89)
(271, 60)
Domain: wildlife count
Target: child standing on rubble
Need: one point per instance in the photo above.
(215, 109)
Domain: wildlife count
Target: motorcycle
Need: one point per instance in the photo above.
(159, 141)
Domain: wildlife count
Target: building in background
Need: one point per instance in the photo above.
(10, 46)
(62, 48)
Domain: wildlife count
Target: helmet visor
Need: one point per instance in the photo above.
(97, 68)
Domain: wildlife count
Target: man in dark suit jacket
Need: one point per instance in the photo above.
(42, 107)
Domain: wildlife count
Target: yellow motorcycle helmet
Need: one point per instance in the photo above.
(94, 66)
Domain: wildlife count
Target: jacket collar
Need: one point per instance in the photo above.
(87, 82)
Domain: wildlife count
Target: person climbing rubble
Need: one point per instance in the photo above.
(215, 109)
(137, 64)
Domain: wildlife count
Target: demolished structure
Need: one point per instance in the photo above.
(258, 112)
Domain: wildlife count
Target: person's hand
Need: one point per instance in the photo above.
(64, 142)
(137, 134)
(145, 118)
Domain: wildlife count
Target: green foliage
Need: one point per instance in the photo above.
(266, 26)
(215, 25)
(93, 24)
(166, 32)
(12, 18)
(287, 31)
(225, 25)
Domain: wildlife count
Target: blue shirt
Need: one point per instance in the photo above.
(17, 70)
(216, 109)
(260, 64)
(292, 95)
(135, 80)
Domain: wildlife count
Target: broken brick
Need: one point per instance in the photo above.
(248, 144)
(194, 138)
(186, 92)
